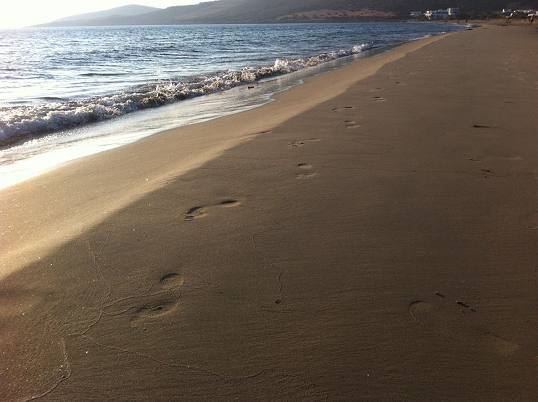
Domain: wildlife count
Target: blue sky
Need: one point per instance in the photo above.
(19, 13)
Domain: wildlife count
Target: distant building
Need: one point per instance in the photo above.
(437, 14)
(521, 13)
(509, 13)
(453, 12)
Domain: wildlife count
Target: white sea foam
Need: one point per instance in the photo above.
(22, 123)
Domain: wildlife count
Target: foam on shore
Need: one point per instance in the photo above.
(22, 123)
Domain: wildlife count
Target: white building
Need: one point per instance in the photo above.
(453, 12)
(437, 14)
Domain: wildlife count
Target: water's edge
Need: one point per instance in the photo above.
(32, 158)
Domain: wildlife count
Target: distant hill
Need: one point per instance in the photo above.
(257, 11)
(131, 10)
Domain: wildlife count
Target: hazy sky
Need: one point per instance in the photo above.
(18, 13)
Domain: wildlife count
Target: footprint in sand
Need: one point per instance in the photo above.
(302, 143)
(153, 310)
(202, 211)
(342, 109)
(307, 175)
(172, 281)
(486, 131)
(482, 126)
(454, 319)
(161, 299)
(378, 99)
(351, 124)
(164, 301)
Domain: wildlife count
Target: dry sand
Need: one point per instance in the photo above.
(370, 236)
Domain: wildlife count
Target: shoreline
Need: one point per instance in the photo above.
(44, 153)
(205, 145)
(263, 73)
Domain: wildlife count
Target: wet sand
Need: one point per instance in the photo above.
(372, 235)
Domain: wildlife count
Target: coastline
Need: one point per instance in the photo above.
(371, 235)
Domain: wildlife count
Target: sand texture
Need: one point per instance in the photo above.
(370, 236)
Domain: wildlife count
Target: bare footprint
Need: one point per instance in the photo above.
(195, 213)
(153, 310)
(342, 109)
(305, 166)
(202, 211)
(172, 280)
(161, 303)
(228, 204)
(419, 308)
(302, 143)
(351, 124)
(445, 317)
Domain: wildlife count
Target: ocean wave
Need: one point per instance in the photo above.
(22, 123)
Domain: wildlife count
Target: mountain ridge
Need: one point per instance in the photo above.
(129, 10)
(263, 11)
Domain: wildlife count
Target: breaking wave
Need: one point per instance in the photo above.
(21, 123)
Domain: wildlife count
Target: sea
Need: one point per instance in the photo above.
(66, 93)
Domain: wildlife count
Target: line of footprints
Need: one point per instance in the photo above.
(306, 168)
(349, 124)
(163, 303)
(160, 300)
(202, 211)
(306, 172)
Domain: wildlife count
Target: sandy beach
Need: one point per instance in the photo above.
(371, 235)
